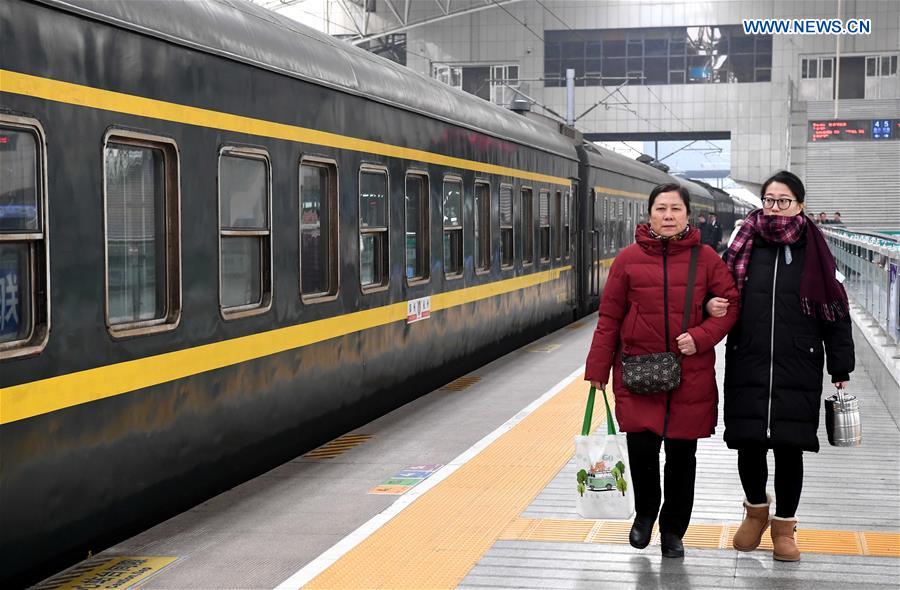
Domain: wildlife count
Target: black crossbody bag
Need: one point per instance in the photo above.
(646, 374)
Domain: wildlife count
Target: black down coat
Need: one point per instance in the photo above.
(789, 415)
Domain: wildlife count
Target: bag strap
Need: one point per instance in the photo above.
(689, 295)
(589, 411)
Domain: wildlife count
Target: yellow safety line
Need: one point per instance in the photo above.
(619, 192)
(129, 104)
(703, 536)
(26, 400)
(435, 541)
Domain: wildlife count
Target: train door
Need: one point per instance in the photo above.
(594, 210)
(570, 251)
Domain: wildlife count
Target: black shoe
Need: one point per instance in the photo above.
(641, 531)
(671, 545)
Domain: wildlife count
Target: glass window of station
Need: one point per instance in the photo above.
(143, 277)
(245, 248)
(24, 320)
(665, 55)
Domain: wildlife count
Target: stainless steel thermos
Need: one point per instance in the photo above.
(842, 420)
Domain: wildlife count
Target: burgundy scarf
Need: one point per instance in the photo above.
(821, 295)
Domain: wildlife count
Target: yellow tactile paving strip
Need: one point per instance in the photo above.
(702, 536)
(436, 540)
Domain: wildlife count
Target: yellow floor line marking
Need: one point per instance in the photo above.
(461, 383)
(436, 540)
(338, 446)
(701, 536)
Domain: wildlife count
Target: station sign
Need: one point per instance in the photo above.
(854, 130)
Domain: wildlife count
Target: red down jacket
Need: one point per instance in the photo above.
(631, 322)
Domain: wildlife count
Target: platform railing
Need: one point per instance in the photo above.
(871, 266)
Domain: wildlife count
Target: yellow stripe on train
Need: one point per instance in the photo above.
(87, 96)
(47, 395)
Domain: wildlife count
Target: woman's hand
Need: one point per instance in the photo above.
(686, 344)
(717, 307)
(841, 384)
(598, 385)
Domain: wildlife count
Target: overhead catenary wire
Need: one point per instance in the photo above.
(515, 18)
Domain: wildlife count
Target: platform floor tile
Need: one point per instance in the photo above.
(534, 565)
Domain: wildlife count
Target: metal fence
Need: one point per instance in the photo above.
(870, 264)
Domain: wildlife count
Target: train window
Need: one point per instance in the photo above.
(507, 255)
(143, 270)
(417, 224)
(245, 232)
(24, 277)
(373, 228)
(482, 227)
(318, 230)
(567, 220)
(453, 227)
(544, 220)
(527, 226)
(558, 213)
(607, 237)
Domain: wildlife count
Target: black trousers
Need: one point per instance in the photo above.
(754, 472)
(680, 472)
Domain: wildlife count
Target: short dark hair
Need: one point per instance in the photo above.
(792, 181)
(837, 212)
(669, 188)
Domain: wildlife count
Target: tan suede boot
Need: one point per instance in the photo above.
(783, 539)
(756, 520)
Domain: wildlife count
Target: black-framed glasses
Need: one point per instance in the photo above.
(783, 203)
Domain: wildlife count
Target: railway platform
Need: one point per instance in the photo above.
(472, 486)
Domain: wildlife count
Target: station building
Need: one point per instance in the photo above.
(674, 70)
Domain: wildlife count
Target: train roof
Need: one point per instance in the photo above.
(600, 157)
(245, 32)
(693, 188)
(605, 159)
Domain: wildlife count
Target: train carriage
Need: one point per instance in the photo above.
(614, 191)
(262, 237)
(246, 219)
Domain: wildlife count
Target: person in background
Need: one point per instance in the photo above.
(707, 231)
(823, 218)
(794, 315)
(717, 234)
(642, 304)
(837, 218)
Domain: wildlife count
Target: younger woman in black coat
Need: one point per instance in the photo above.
(793, 314)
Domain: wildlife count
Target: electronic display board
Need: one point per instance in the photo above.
(854, 130)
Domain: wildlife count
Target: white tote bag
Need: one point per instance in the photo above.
(602, 470)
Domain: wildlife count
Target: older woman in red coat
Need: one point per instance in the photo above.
(646, 289)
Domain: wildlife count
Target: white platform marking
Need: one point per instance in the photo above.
(329, 557)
